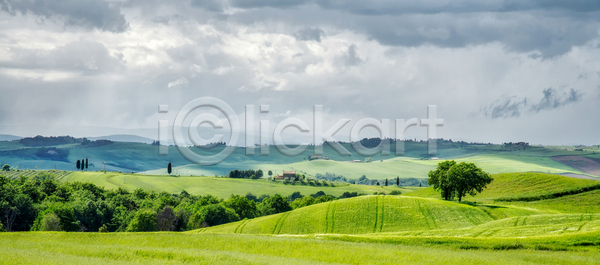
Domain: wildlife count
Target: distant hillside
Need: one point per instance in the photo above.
(361, 215)
(9, 137)
(414, 164)
(123, 138)
(219, 187)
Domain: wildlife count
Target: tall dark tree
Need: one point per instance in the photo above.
(82, 164)
(397, 181)
(169, 169)
(78, 164)
(386, 182)
(86, 163)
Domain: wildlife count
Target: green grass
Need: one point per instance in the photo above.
(509, 185)
(360, 215)
(181, 248)
(219, 187)
(587, 202)
(391, 167)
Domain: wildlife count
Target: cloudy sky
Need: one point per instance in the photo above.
(498, 70)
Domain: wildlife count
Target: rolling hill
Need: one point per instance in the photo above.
(361, 215)
(142, 157)
(219, 187)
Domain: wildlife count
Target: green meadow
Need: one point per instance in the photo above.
(528, 215)
(217, 186)
(184, 248)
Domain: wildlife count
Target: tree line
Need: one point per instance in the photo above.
(41, 203)
(246, 174)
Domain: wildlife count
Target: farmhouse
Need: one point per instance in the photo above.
(287, 175)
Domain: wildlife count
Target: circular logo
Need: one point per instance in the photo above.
(178, 127)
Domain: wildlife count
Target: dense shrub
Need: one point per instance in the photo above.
(143, 221)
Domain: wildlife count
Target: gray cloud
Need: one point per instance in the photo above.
(352, 58)
(505, 108)
(391, 7)
(88, 56)
(551, 29)
(87, 13)
(513, 107)
(310, 34)
(210, 5)
(267, 3)
(554, 100)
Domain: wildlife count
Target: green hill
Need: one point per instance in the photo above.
(360, 215)
(520, 185)
(219, 187)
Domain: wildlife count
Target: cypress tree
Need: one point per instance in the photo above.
(397, 181)
(78, 164)
(169, 169)
(386, 182)
(86, 163)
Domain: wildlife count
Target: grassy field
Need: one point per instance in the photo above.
(513, 185)
(360, 215)
(219, 187)
(380, 229)
(181, 248)
(403, 167)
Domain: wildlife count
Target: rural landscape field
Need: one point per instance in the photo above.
(299, 132)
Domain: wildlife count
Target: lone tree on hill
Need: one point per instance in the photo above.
(386, 182)
(438, 179)
(453, 179)
(397, 181)
(6, 167)
(270, 173)
(78, 164)
(169, 169)
(466, 178)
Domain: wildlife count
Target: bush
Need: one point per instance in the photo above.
(303, 202)
(50, 222)
(242, 206)
(2, 228)
(211, 215)
(274, 204)
(395, 192)
(143, 221)
(166, 220)
(103, 229)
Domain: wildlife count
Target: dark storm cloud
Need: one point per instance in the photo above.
(553, 100)
(310, 34)
(505, 108)
(549, 27)
(391, 7)
(513, 107)
(87, 13)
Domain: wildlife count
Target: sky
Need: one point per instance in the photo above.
(497, 70)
